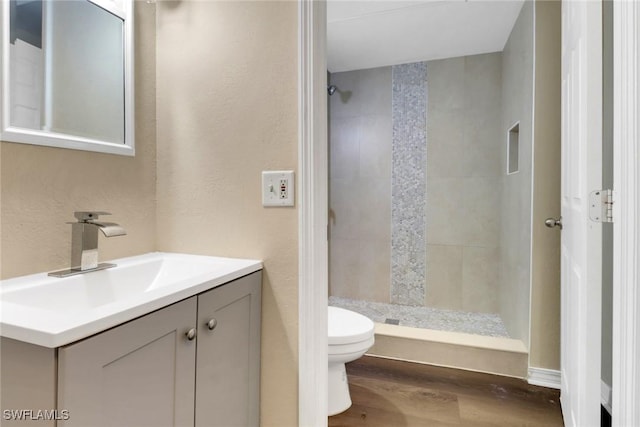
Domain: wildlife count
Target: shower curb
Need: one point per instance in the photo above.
(500, 356)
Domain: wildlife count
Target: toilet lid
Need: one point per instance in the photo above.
(348, 327)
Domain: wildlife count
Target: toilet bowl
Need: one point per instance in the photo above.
(350, 336)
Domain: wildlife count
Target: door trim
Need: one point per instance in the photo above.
(626, 252)
(313, 268)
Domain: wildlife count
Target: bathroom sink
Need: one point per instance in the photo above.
(51, 312)
(127, 281)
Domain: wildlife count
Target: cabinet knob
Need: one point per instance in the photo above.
(191, 334)
(211, 324)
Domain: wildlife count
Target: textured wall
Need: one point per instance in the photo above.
(408, 183)
(227, 110)
(545, 287)
(360, 184)
(515, 225)
(41, 187)
(464, 153)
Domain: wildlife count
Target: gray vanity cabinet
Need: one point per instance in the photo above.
(228, 355)
(138, 374)
(148, 372)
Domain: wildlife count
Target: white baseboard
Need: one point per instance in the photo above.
(544, 377)
(605, 391)
(551, 378)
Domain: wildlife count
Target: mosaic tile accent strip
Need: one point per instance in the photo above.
(408, 188)
(487, 324)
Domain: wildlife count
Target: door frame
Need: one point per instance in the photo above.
(626, 241)
(313, 208)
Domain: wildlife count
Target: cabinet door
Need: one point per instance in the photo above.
(228, 359)
(138, 374)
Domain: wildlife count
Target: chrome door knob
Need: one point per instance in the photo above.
(552, 222)
(211, 324)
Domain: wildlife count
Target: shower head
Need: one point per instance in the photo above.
(331, 89)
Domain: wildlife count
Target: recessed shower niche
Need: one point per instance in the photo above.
(513, 147)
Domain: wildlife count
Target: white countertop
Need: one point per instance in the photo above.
(53, 312)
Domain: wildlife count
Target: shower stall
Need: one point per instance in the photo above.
(430, 183)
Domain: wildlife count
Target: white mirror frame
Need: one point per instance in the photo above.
(120, 8)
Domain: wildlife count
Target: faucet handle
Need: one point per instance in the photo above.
(86, 216)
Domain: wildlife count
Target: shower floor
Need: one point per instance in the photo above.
(487, 324)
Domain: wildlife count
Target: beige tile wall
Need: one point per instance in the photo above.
(463, 182)
(465, 151)
(360, 184)
(515, 244)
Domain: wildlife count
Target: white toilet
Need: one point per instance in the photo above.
(350, 336)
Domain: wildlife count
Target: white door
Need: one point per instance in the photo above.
(581, 237)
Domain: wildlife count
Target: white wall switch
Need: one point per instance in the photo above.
(278, 188)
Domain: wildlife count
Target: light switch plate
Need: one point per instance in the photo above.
(278, 188)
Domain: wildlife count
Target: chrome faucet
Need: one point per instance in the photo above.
(84, 243)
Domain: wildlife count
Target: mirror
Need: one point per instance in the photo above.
(67, 74)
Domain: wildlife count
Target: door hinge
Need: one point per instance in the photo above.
(601, 205)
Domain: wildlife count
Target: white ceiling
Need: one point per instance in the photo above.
(371, 33)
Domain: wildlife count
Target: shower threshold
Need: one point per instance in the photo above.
(486, 324)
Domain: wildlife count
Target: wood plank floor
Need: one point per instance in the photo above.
(391, 393)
